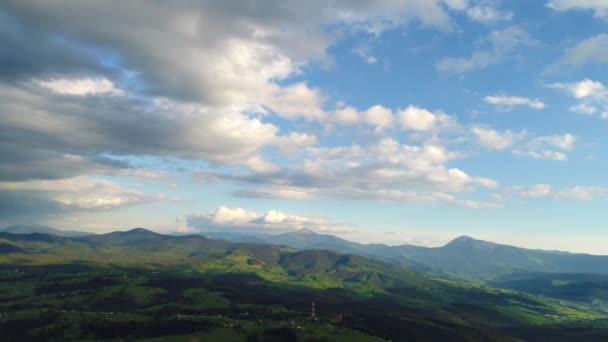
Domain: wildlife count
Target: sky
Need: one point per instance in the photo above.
(391, 121)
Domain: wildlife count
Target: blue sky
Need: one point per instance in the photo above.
(396, 121)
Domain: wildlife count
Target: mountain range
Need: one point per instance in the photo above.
(138, 283)
(463, 256)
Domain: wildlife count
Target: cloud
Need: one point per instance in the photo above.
(412, 118)
(259, 164)
(495, 140)
(592, 96)
(347, 115)
(497, 45)
(221, 53)
(297, 101)
(544, 147)
(543, 154)
(277, 192)
(593, 50)
(384, 170)
(61, 135)
(295, 141)
(508, 102)
(363, 51)
(563, 142)
(379, 117)
(536, 191)
(459, 5)
(196, 80)
(419, 119)
(581, 193)
(583, 108)
(584, 89)
(599, 7)
(485, 13)
(81, 193)
(239, 219)
(80, 87)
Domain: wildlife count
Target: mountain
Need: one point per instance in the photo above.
(140, 284)
(483, 259)
(29, 229)
(463, 256)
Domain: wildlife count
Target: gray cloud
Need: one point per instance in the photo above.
(27, 51)
(216, 52)
(45, 131)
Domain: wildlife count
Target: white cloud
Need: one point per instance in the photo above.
(239, 219)
(290, 193)
(297, 101)
(411, 118)
(417, 119)
(83, 193)
(579, 192)
(420, 119)
(498, 44)
(80, 86)
(592, 96)
(495, 140)
(583, 89)
(543, 154)
(599, 7)
(384, 170)
(537, 190)
(259, 164)
(379, 117)
(583, 108)
(564, 142)
(511, 101)
(544, 147)
(484, 13)
(347, 115)
(584, 193)
(295, 142)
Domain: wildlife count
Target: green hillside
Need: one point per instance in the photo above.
(142, 285)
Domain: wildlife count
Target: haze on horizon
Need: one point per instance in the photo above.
(389, 121)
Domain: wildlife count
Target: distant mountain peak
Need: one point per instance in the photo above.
(463, 238)
(140, 231)
(305, 231)
(469, 242)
